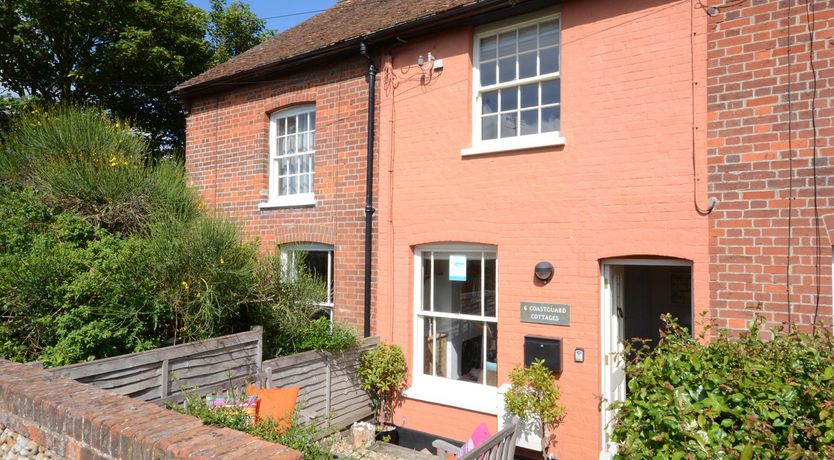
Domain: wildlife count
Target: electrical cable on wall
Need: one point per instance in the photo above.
(810, 16)
(712, 201)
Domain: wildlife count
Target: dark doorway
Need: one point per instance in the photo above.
(653, 291)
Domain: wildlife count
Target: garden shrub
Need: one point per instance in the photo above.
(303, 437)
(729, 398)
(102, 254)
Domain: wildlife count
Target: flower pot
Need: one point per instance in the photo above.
(388, 433)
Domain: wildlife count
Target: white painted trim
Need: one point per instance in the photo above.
(289, 201)
(285, 201)
(479, 146)
(464, 395)
(510, 144)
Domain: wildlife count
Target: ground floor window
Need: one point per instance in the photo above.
(456, 313)
(319, 261)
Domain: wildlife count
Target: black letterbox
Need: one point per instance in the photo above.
(548, 349)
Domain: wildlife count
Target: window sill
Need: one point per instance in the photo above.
(292, 201)
(463, 395)
(516, 143)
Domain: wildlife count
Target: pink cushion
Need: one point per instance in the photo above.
(478, 437)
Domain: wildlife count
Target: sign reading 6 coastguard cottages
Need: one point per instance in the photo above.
(545, 313)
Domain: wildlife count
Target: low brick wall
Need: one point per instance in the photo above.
(72, 420)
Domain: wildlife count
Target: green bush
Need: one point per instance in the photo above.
(303, 437)
(729, 398)
(382, 372)
(83, 162)
(102, 255)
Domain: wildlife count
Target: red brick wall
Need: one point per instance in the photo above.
(749, 167)
(78, 421)
(227, 156)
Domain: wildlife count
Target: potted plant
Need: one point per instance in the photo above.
(533, 396)
(382, 373)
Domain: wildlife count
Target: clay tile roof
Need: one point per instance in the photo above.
(347, 20)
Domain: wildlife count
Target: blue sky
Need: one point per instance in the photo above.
(268, 8)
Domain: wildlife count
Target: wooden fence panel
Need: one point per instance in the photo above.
(329, 390)
(163, 374)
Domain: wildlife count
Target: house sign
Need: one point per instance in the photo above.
(545, 313)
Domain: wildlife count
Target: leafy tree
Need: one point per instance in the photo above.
(123, 55)
(233, 29)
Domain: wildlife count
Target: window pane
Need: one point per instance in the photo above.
(549, 60)
(506, 69)
(282, 146)
(508, 124)
(301, 142)
(290, 145)
(529, 122)
(489, 285)
(291, 125)
(428, 346)
(489, 102)
(489, 127)
(527, 39)
(282, 168)
(426, 282)
(293, 168)
(316, 263)
(487, 49)
(527, 65)
(303, 183)
(292, 187)
(506, 44)
(550, 119)
(530, 95)
(313, 120)
(509, 99)
(492, 354)
(550, 92)
(465, 340)
(549, 33)
(445, 298)
(302, 122)
(470, 291)
(304, 163)
(282, 126)
(488, 73)
(311, 140)
(282, 189)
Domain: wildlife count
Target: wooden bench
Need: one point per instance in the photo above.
(500, 446)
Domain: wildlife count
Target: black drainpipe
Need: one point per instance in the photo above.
(369, 183)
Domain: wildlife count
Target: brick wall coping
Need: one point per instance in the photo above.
(80, 421)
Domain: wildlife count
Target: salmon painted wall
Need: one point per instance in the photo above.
(622, 185)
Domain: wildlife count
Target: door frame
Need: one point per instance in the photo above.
(606, 326)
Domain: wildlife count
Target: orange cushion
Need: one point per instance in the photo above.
(275, 403)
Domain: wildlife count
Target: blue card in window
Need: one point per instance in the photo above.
(457, 268)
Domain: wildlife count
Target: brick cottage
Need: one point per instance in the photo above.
(544, 177)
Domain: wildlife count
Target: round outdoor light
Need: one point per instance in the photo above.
(544, 271)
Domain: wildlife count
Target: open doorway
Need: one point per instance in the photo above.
(635, 293)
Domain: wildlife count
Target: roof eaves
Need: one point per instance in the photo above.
(416, 24)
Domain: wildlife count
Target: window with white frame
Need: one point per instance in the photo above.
(456, 315)
(292, 149)
(318, 260)
(517, 85)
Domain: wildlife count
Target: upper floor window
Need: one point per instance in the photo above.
(517, 86)
(292, 149)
